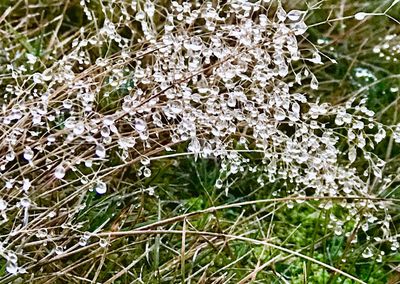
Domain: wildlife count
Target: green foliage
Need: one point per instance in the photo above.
(181, 191)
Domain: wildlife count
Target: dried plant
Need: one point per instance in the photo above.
(144, 81)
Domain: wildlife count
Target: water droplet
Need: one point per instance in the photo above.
(295, 15)
(101, 187)
(316, 58)
(358, 124)
(82, 241)
(108, 120)
(86, 235)
(59, 172)
(150, 190)
(176, 107)
(126, 142)
(47, 75)
(103, 243)
(59, 250)
(234, 169)
(25, 202)
(28, 153)
(380, 135)
(290, 204)
(105, 131)
(338, 231)
(10, 156)
(12, 268)
(352, 154)
(231, 101)
(360, 16)
(149, 8)
(145, 161)
(195, 44)
(127, 106)
(12, 257)
(299, 28)
(31, 58)
(281, 14)
(218, 183)
(41, 233)
(37, 78)
(140, 125)
(314, 82)
(367, 253)
(279, 114)
(296, 108)
(84, 180)
(88, 163)
(3, 204)
(146, 172)
(364, 73)
(194, 145)
(79, 128)
(26, 185)
(67, 104)
(100, 151)
(140, 16)
(339, 119)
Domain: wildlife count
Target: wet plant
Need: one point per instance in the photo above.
(102, 98)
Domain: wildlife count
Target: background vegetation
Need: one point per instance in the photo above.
(180, 225)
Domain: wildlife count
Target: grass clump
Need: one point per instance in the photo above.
(199, 142)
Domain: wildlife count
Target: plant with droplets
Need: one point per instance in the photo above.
(223, 80)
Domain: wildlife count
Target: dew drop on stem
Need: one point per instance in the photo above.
(58, 250)
(367, 253)
(12, 267)
(103, 243)
(140, 125)
(3, 204)
(360, 16)
(295, 15)
(59, 172)
(101, 187)
(146, 172)
(28, 153)
(10, 156)
(279, 114)
(100, 151)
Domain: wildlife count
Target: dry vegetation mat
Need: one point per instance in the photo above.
(236, 141)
